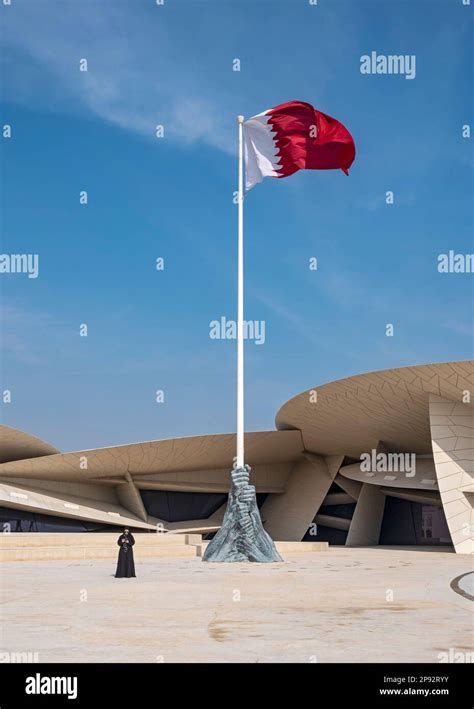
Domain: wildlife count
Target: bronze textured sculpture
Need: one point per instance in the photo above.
(242, 536)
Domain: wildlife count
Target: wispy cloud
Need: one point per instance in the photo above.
(149, 65)
(288, 314)
(135, 85)
(25, 333)
(464, 329)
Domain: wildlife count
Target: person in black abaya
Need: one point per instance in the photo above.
(125, 563)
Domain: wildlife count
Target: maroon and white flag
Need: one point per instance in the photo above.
(294, 136)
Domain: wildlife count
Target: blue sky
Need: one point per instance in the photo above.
(173, 197)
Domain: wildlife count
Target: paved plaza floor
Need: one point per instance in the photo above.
(342, 605)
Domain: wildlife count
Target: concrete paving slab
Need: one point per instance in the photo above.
(346, 605)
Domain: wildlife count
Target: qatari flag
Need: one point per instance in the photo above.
(294, 136)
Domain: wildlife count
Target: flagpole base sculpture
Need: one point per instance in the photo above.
(242, 536)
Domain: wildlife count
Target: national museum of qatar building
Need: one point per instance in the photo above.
(380, 458)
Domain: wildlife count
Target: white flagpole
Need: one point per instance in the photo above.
(240, 305)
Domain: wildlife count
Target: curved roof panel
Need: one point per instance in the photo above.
(17, 445)
(165, 456)
(352, 415)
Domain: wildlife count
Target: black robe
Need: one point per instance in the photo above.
(125, 563)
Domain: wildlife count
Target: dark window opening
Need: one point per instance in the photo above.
(336, 537)
(343, 511)
(172, 506)
(412, 523)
